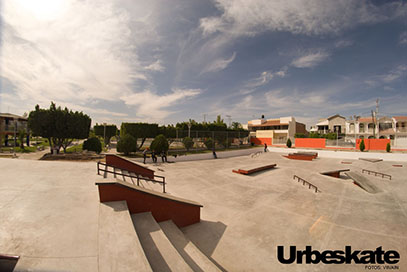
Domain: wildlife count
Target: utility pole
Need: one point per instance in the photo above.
(230, 119)
(204, 117)
(377, 114)
(374, 125)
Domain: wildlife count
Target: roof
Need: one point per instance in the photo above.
(334, 116)
(9, 115)
(400, 118)
(268, 123)
(323, 123)
(365, 120)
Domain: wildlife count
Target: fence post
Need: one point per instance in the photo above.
(98, 168)
(164, 185)
(196, 144)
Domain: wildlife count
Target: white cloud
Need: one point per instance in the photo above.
(312, 17)
(265, 78)
(310, 60)
(403, 38)
(389, 77)
(155, 66)
(152, 106)
(219, 64)
(343, 43)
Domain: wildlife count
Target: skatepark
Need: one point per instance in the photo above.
(52, 217)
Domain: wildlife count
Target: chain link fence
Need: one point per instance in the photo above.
(208, 140)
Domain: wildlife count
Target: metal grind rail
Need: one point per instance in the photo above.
(370, 172)
(135, 175)
(254, 155)
(310, 185)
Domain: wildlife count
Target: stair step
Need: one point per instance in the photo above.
(159, 251)
(119, 247)
(191, 254)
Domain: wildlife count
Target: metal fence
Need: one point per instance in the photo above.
(205, 139)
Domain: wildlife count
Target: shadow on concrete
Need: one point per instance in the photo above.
(206, 236)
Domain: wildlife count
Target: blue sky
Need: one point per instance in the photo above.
(168, 61)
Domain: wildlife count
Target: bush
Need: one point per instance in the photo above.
(159, 144)
(362, 145)
(188, 143)
(289, 144)
(388, 147)
(92, 144)
(127, 144)
(300, 135)
(208, 143)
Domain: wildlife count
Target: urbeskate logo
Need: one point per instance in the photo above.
(348, 256)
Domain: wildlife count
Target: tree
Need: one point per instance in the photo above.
(139, 130)
(159, 144)
(59, 126)
(107, 131)
(362, 145)
(127, 144)
(300, 135)
(92, 144)
(21, 136)
(289, 144)
(188, 143)
(388, 147)
(208, 143)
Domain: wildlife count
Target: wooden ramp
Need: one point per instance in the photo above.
(363, 182)
(254, 170)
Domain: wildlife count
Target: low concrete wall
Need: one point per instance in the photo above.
(310, 142)
(261, 141)
(162, 206)
(119, 162)
(374, 144)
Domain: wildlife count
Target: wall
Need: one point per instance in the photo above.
(264, 133)
(162, 207)
(130, 166)
(310, 142)
(374, 144)
(261, 141)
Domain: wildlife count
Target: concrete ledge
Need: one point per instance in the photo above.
(163, 206)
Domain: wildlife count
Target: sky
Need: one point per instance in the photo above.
(170, 61)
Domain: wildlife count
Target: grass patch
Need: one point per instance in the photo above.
(74, 149)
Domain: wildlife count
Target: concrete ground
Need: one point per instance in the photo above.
(49, 211)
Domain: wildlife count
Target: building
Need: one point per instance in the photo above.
(335, 123)
(274, 131)
(10, 124)
(394, 128)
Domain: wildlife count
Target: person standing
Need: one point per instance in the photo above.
(265, 147)
(153, 157)
(145, 154)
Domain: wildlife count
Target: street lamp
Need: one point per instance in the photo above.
(356, 119)
(15, 137)
(104, 133)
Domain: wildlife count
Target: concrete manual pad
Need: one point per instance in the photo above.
(363, 182)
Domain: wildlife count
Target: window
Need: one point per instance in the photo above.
(361, 128)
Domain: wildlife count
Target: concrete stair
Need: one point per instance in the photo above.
(119, 247)
(191, 254)
(159, 251)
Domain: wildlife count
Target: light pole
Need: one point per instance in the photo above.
(356, 119)
(189, 129)
(15, 136)
(104, 133)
